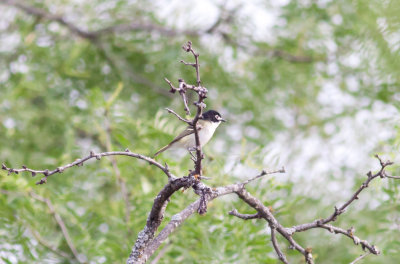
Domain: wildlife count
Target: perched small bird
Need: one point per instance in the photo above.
(206, 126)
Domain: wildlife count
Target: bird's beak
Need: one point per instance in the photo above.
(222, 120)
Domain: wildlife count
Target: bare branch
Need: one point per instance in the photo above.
(145, 237)
(360, 257)
(234, 212)
(202, 93)
(160, 254)
(47, 245)
(60, 223)
(178, 116)
(179, 218)
(266, 213)
(81, 161)
(56, 18)
(182, 92)
(350, 233)
(196, 65)
(263, 173)
(342, 209)
(275, 244)
(148, 27)
(94, 35)
(392, 177)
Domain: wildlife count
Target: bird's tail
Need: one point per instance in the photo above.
(161, 150)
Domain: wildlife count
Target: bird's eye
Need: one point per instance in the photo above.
(217, 117)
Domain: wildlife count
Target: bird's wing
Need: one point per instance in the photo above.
(188, 131)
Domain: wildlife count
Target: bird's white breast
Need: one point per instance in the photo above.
(205, 133)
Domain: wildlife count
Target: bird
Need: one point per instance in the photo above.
(206, 126)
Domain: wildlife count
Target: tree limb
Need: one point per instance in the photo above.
(79, 162)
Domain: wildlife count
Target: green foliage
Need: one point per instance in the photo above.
(330, 67)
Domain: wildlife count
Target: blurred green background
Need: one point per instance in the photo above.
(309, 85)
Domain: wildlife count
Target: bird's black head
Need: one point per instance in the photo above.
(213, 116)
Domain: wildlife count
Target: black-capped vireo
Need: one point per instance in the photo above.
(206, 126)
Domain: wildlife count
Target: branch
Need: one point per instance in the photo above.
(169, 32)
(360, 257)
(47, 245)
(145, 237)
(350, 233)
(202, 94)
(266, 213)
(275, 244)
(263, 173)
(160, 254)
(179, 218)
(40, 13)
(234, 212)
(178, 116)
(145, 245)
(60, 223)
(94, 35)
(79, 162)
(148, 27)
(338, 211)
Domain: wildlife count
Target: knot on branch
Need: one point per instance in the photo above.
(42, 181)
(351, 231)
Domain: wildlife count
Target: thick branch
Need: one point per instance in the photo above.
(206, 194)
(155, 218)
(179, 218)
(273, 222)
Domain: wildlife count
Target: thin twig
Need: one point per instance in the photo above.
(160, 254)
(350, 233)
(47, 245)
(360, 257)
(275, 244)
(392, 177)
(178, 116)
(60, 223)
(341, 209)
(234, 212)
(263, 173)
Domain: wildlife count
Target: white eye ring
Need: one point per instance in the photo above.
(217, 117)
